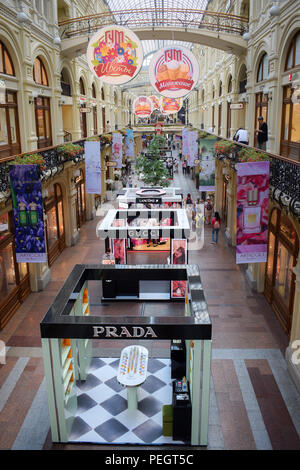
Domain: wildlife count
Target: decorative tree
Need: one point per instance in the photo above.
(152, 166)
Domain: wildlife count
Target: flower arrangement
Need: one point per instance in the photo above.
(70, 150)
(109, 184)
(202, 134)
(224, 147)
(106, 139)
(93, 138)
(32, 159)
(251, 155)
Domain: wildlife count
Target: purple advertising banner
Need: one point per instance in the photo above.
(185, 145)
(26, 191)
(117, 153)
(252, 212)
(92, 167)
(178, 256)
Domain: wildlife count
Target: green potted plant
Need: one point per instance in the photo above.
(224, 147)
(31, 159)
(70, 150)
(93, 138)
(251, 155)
(152, 166)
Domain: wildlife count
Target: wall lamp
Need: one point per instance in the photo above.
(32, 97)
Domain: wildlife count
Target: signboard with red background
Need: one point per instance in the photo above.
(174, 71)
(142, 106)
(170, 105)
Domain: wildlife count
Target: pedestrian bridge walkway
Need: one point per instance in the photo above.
(214, 29)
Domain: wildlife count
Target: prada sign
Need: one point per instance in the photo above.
(148, 200)
(123, 332)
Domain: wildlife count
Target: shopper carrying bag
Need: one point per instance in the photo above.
(216, 225)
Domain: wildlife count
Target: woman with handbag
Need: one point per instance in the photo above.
(216, 225)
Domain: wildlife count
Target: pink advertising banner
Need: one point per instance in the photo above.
(252, 212)
(117, 153)
(178, 256)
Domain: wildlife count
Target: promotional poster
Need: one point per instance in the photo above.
(170, 105)
(178, 256)
(174, 71)
(92, 167)
(129, 143)
(119, 250)
(115, 55)
(155, 102)
(193, 148)
(252, 212)
(117, 152)
(26, 190)
(185, 145)
(207, 163)
(142, 106)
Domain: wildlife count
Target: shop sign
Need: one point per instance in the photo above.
(237, 106)
(26, 190)
(111, 163)
(148, 200)
(252, 212)
(123, 332)
(170, 105)
(142, 106)
(174, 71)
(85, 110)
(115, 54)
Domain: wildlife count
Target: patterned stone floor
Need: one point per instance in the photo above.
(253, 402)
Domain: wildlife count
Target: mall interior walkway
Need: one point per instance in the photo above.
(254, 404)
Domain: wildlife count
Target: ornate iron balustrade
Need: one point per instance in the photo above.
(284, 177)
(159, 17)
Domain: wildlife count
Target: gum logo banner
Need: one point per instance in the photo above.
(252, 212)
(26, 190)
(115, 54)
(170, 105)
(174, 71)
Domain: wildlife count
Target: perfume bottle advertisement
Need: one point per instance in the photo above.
(252, 212)
(26, 189)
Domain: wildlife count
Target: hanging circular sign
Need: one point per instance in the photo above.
(174, 71)
(155, 101)
(170, 105)
(115, 54)
(142, 106)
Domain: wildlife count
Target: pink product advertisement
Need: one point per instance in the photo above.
(178, 256)
(252, 212)
(117, 149)
(119, 250)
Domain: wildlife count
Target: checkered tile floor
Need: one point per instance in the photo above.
(102, 414)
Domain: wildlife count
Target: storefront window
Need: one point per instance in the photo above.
(60, 218)
(3, 127)
(51, 226)
(3, 226)
(271, 247)
(284, 273)
(295, 123)
(287, 229)
(23, 270)
(7, 270)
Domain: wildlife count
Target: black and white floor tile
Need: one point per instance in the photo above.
(102, 413)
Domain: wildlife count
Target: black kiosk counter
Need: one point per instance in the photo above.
(128, 400)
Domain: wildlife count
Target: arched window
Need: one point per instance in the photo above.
(39, 72)
(65, 83)
(6, 64)
(220, 89)
(263, 68)
(293, 55)
(213, 92)
(243, 79)
(229, 89)
(81, 87)
(102, 94)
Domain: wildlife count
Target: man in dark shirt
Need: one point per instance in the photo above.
(262, 133)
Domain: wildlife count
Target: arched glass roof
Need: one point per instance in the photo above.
(156, 12)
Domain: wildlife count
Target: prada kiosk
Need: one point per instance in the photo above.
(89, 397)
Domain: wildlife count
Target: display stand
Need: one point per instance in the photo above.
(150, 197)
(67, 318)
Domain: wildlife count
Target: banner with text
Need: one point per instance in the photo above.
(193, 148)
(252, 212)
(26, 190)
(185, 146)
(129, 143)
(92, 167)
(207, 163)
(117, 149)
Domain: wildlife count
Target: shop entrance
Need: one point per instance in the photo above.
(283, 249)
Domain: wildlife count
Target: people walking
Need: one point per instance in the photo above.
(208, 208)
(216, 225)
(241, 136)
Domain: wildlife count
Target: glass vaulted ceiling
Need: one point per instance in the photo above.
(156, 12)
